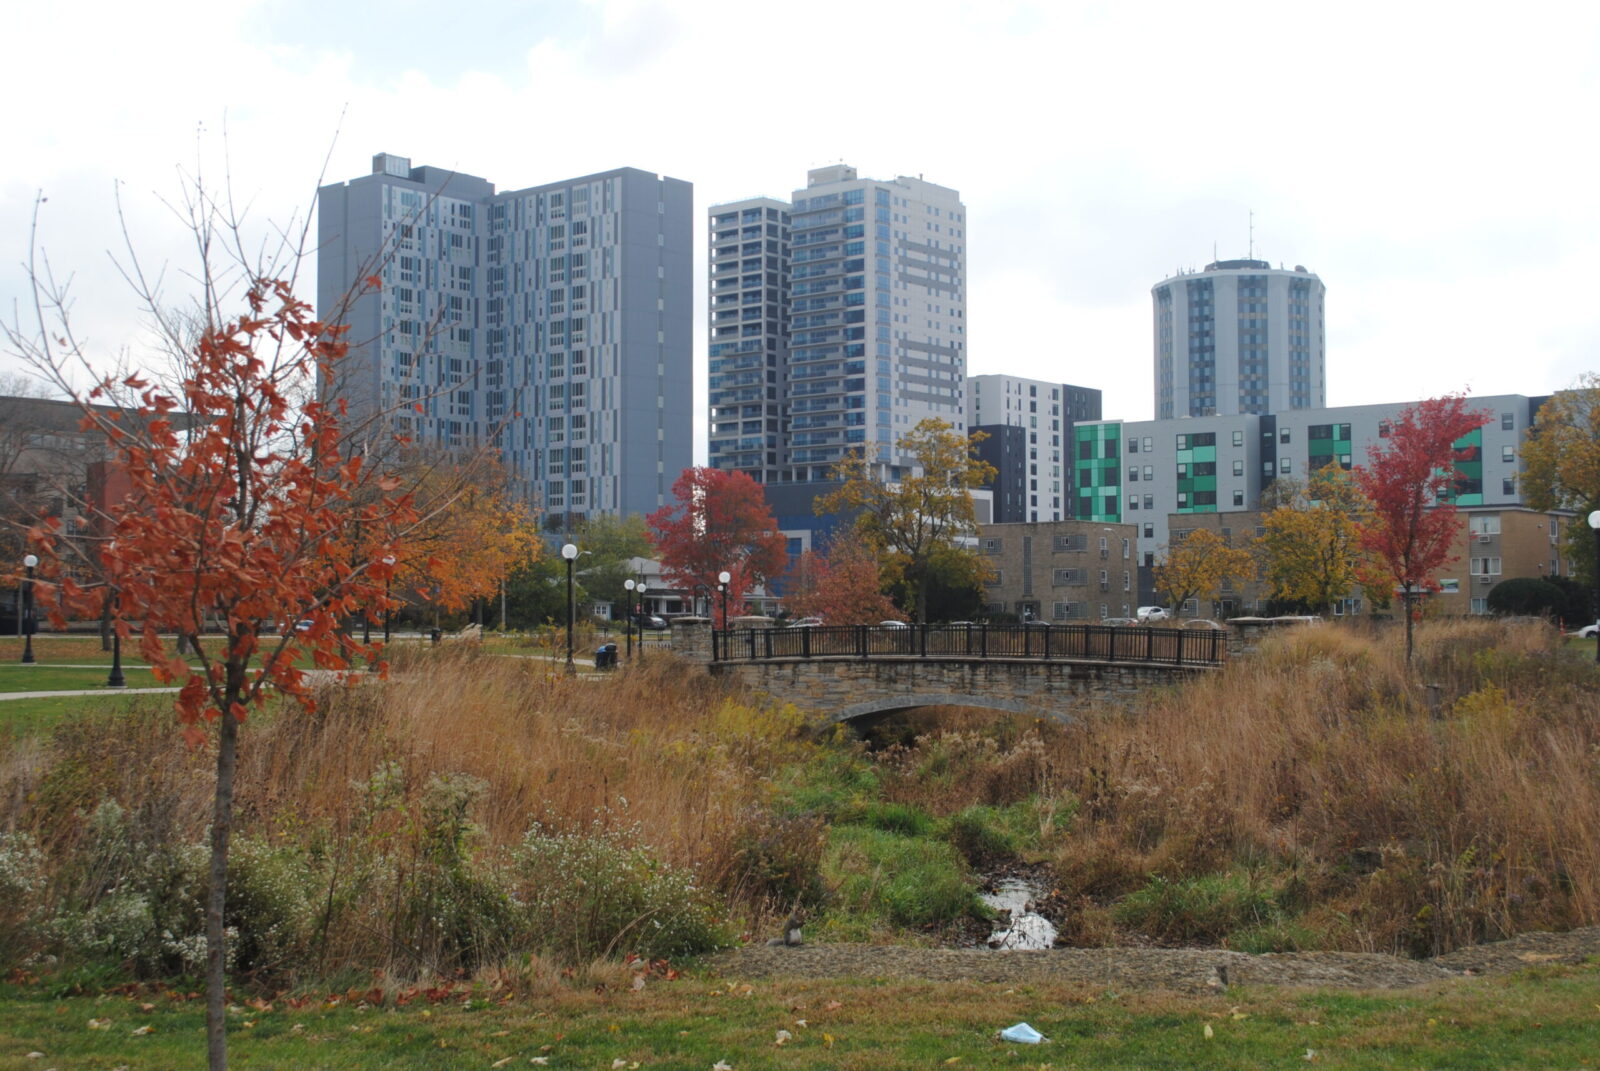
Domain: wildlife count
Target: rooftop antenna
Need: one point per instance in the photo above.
(1252, 234)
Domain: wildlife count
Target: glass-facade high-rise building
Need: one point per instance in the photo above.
(1239, 337)
(867, 336)
(553, 322)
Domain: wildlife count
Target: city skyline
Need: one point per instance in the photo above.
(1428, 174)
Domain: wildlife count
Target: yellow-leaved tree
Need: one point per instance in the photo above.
(1310, 550)
(1196, 566)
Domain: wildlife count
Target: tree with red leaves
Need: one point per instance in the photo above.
(843, 586)
(719, 522)
(1408, 478)
(251, 506)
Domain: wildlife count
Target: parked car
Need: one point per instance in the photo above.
(1118, 622)
(651, 622)
(892, 624)
(806, 622)
(1203, 624)
(1588, 632)
(1147, 614)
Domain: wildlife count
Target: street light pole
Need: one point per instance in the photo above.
(641, 590)
(27, 611)
(115, 679)
(627, 618)
(724, 578)
(570, 553)
(1594, 526)
(388, 610)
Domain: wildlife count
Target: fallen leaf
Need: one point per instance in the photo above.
(832, 1005)
(1237, 1015)
(1311, 1054)
(638, 982)
(722, 1065)
(147, 1007)
(99, 1024)
(827, 1041)
(540, 1060)
(801, 1023)
(783, 1037)
(140, 1031)
(953, 1060)
(36, 1056)
(502, 1063)
(500, 1034)
(618, 1064)
(1209, 1032)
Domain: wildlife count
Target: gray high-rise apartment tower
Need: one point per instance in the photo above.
(1239, 337)
(838, 322)
(555, 322)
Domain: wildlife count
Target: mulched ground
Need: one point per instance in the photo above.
(1182, 969)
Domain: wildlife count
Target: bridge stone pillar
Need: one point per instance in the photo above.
(691, 638)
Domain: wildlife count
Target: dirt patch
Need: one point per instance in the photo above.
(1182, 969)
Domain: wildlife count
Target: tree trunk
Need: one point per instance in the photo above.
(105, 624)
(216, 899)
(1405, 600)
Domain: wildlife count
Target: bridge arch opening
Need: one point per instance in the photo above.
(864, 716)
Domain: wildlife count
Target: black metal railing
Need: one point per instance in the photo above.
(1045, 643)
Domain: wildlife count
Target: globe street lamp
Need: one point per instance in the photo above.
(627, 618)
(27, 611)
(569, 552)
(1594, 525)
(724, 578)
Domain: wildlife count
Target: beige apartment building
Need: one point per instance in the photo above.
(1494, 543)
(1061, 572)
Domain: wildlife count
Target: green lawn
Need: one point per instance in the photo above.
(1544, 1018)
(43, 677)
(31, 717)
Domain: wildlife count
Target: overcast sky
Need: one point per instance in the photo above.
(1435, 164)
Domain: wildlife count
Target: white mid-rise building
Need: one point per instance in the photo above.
(1239, 337)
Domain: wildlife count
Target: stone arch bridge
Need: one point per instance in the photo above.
(859, 674)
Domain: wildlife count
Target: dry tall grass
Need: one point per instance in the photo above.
(1405, 823)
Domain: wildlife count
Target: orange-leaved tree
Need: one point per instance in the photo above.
(1409, 476)
(242, 494)
(720, 522)
(843, 586)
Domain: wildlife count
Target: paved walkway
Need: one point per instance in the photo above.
(87, 691)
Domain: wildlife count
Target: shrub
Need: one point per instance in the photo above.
(778, 859)
(1533, 596)
(21, 890)
(579, 896)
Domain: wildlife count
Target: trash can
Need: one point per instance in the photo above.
(605, 656)
(434, 636)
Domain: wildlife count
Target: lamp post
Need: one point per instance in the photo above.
(115, 679)
(388, 610)
(641, 590)
(27, 611)
(724, 578)
(1594, 526)
(570, 553)
(627, 618)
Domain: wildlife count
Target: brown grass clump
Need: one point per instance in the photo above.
(434, 776)
(1425, 821)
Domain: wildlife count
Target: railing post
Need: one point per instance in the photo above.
(1181, 633)
(1047, 630)
(861, 640)
(1149, 644)
(716, 651)
(766, 636)
(924, 628)
(805, 643)
(983, 639)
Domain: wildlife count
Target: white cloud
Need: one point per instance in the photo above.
(1431, 163)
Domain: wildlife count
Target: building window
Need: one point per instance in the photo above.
(1238, 467)
(1238, 438)
(993, 546)
(1285, 466)
(1238, 498)
(1149, 531)
(1283, 435)
(1508, 422)
(1508, 486)
(1508, 454)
